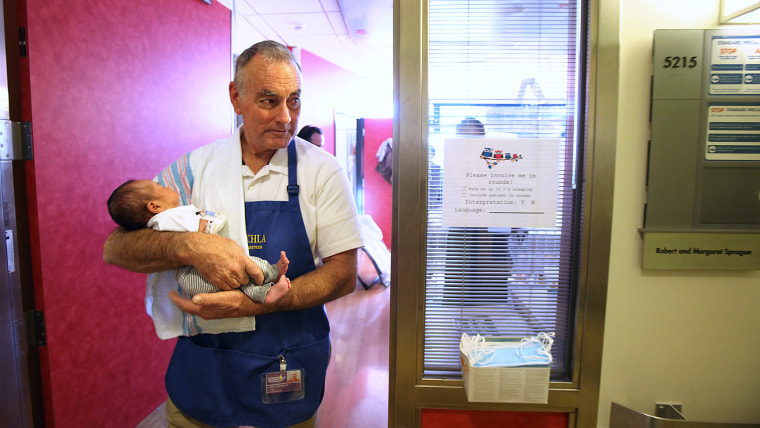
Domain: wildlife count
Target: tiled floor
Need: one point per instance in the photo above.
(356, 394)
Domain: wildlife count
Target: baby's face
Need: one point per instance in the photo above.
(166, 197)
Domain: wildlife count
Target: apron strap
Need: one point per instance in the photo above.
(292, 174)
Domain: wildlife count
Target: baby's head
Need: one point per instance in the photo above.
(133, 203)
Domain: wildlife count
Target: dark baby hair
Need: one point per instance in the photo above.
(127, 205)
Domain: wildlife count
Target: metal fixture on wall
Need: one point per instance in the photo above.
(624, 417)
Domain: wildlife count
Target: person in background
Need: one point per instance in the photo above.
(287, 195)
(470, 126)
(311, 134)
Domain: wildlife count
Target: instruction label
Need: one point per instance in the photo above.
(735, 65)
(733, 132)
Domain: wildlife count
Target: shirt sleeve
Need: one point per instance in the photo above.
(338, 227)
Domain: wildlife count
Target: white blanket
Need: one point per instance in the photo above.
(217, 186)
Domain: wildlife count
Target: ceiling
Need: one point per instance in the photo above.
(354, 34)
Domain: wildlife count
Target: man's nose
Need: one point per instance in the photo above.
(283, 113)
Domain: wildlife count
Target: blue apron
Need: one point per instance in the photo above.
(215, 378)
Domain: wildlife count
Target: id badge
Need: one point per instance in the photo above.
(283, 385)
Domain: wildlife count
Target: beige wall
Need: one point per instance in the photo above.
(690, 337)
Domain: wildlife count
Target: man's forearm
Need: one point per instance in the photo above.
(335, 278)
(218, 259)
(145, 250)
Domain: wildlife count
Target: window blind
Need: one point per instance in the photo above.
(512, 66)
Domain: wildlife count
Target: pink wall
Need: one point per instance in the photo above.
(325, 87)
(378, 196)
(118, 90)
(328, 88)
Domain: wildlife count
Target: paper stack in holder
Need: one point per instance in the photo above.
(506, 369)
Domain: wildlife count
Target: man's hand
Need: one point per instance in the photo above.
(220, 260)
(223, 262)
(224, 304)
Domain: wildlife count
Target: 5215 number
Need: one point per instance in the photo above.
(679, 62)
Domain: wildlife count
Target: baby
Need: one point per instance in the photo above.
(144, 203)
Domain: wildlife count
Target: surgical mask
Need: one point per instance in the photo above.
(527, 352)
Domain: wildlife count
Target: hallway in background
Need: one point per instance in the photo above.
(356, 394)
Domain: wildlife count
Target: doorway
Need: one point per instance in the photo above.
(338, 43)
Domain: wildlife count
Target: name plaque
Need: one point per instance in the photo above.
(701, 251)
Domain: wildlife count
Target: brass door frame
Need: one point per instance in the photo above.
(409, 391)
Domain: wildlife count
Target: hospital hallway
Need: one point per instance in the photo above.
(356, 394)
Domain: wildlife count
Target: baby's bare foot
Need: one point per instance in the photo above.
(278, 290)
(282, 264)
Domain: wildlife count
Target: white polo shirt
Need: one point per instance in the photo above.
(327, 207)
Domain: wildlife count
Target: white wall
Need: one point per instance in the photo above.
(687, 337)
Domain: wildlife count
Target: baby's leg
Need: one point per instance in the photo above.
(267, 293)
(276, 283)
(193, 282)
(272, 273)
(279, 289)
(256, 292)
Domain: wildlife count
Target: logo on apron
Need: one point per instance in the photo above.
(255, 242)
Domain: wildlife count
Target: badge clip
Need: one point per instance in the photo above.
(283, 385)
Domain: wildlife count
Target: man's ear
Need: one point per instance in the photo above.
(234, 97)
(154, 207)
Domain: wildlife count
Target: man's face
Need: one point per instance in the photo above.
(316, 139)
(270, 102)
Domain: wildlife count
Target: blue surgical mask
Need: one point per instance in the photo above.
(527, 352)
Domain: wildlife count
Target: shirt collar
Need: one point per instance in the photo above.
(278, 164)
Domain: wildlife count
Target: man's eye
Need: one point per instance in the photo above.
(294, 102)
